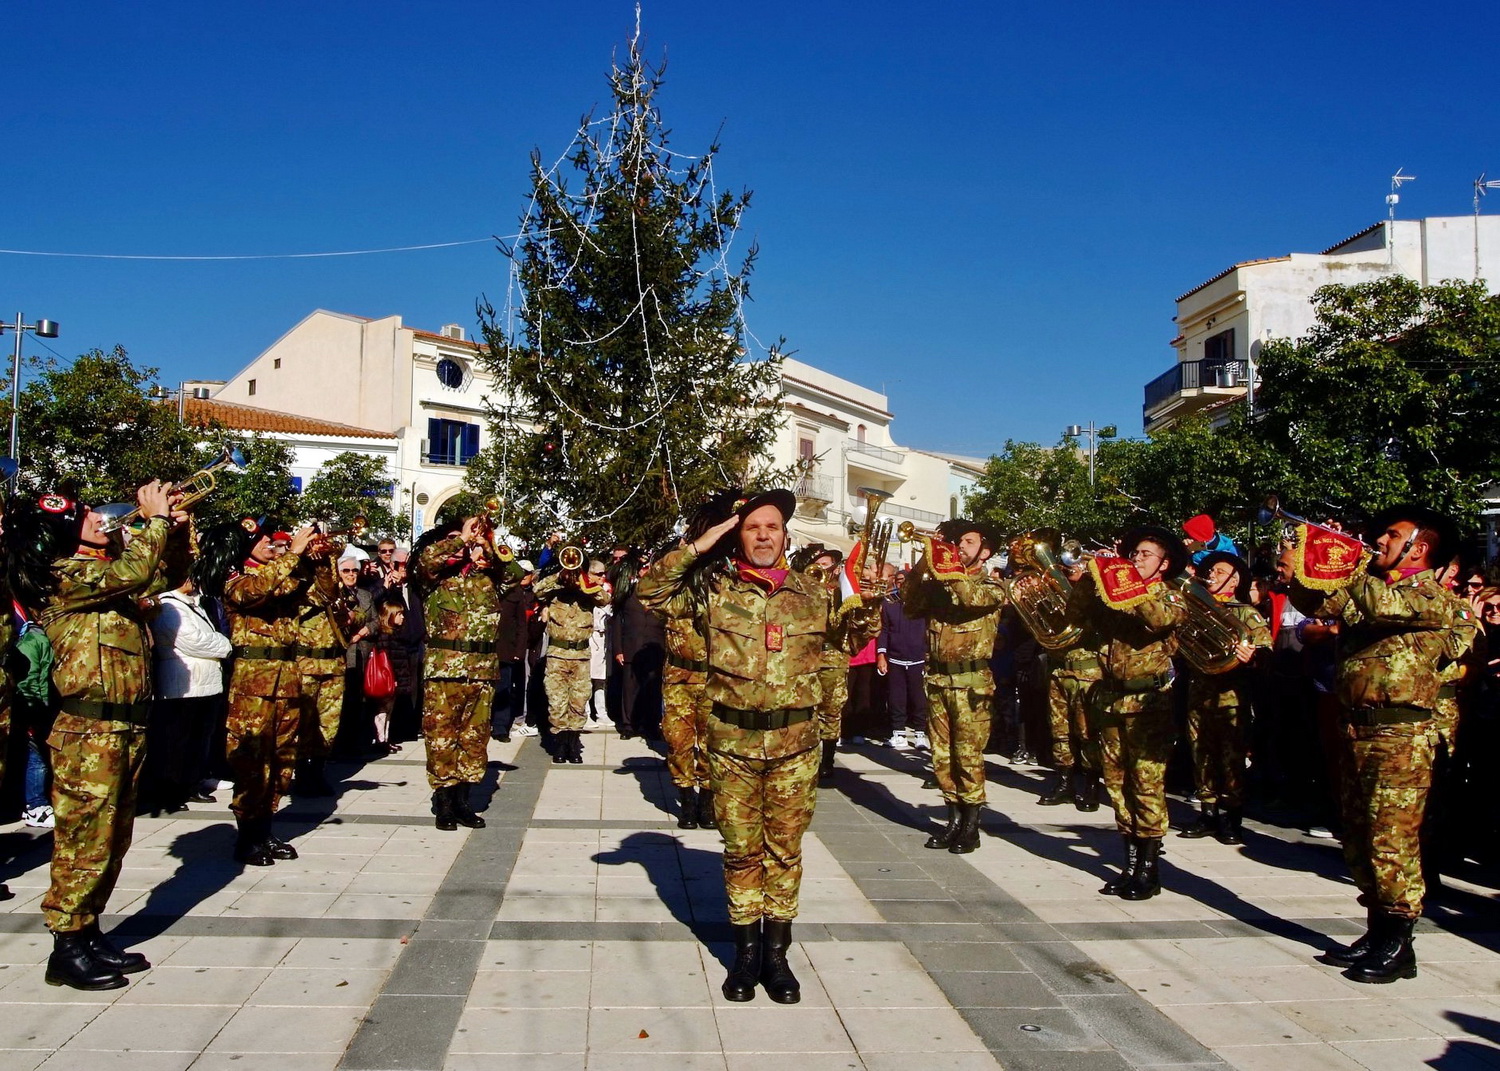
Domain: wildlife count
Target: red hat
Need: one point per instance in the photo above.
(1200, 527)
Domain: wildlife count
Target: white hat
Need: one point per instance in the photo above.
(526, 566)
(355, 553)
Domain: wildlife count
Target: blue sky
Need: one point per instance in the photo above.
(985, 209)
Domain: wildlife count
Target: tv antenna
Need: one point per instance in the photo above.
(1393, 198)
(1481, 184)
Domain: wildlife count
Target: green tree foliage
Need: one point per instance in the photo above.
(1029, 486)
(264, 488)
(630, 395)
(351, 485)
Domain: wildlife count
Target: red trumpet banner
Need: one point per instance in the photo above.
(1118, 584)
(1325, 560)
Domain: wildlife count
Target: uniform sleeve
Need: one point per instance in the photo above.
(131, 573)
(1166, 611)
(434, 558)
(256, 586)
(1408, 606)
(176, 560)
(325, 582)
(1464, 634)
(662, 588)
(1260, 629)
(977, 593)
(546, 588)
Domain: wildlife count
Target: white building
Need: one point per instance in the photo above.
(1223, 322)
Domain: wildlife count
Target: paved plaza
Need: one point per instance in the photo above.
(582, 929)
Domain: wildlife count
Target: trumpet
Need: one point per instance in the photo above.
(570, 559)
(191, 491)
(1071, 554)
(489, 527)
(907, 532)
(333, 543)
(1271, 511)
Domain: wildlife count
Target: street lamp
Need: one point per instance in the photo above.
(42, 329)
(1108, 431)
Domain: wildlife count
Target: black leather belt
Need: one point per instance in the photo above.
(762, 719)
(686, 663)
(1448, 691)
(319, 652)
(1388, 716)
(1138, 684)
(466, 646)
(952, 669)
(267, 654)
(568, 645)
(135, 713)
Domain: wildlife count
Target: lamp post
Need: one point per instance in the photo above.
(1108, 431)
(42, 329)
(161, 394)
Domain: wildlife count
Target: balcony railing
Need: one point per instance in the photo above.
(895, 457)
(815, 487)
(906, 513)
(1191, 375)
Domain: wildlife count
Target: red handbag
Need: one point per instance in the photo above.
(380, 679)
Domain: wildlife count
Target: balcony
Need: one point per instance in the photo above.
(856, 446)
(923, 518)
(814, 492)
(1190, 385)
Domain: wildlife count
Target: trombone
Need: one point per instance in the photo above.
(194, 489)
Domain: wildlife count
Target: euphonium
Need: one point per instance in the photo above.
(873, 541)
(1210, 636)
(190, 491)
(1039, 590)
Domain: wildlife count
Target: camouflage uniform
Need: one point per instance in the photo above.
(850, 627)
(684, 723)
(1218, 720)
(263, 603)
(320, 668)
(97, 744)
(570, 622)
(1395, 636)
(1074, 742)
(462, 614)
(763, 651)
(963, 621)
(1132, 702)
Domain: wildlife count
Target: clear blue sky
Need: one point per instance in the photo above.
(985, 209)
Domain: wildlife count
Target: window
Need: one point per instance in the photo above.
(859, 433)
(450, 373)
(1218, 349)
(252, 388)
(805, 451)
(451, 442)
(276, 362)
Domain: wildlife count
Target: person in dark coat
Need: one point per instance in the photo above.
(639, 647)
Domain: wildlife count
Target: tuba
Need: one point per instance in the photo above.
(874, 541)
(1211, 636)
(1039, 590)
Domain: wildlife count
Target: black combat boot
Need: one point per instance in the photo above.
(1147, 880)
(560, 750)
(966, 836)
(687, 814)
(278, 848)
(250, 844)
(107, 954)
(1127, 872)
(442, 809)
(825, 765)
(706, 819)
(944, 838)
(72, 964)
(1056, 793)
(463, 812)
(1391, 955)
(5, 893)
(312, 779)
(775, 973)
(739, 986)
(1349, 955)
(1206, 824)
(1229, 831)
(575, 747)
(1085, 789)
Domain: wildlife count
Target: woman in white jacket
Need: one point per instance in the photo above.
(189, 653)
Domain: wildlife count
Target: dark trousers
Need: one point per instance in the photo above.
(177, 740)
(866, 713)
(509, 706)
(906, 697)
(640, 695)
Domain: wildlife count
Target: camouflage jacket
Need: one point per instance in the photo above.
(570, 616)
(263, 603)
(684, 642)
(462, 607)
(1395, 638)
(1228, 689)
(314, 630)
(96, 626)
(1083, 661)
(1137, 643)
(963, 623)
(1464, 650)
(763, 648)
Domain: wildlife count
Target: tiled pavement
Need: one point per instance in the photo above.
(581, 929)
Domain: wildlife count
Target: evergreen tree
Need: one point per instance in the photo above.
(630, 389)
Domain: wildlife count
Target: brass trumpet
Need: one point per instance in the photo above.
(194, 489)
(489, 527)
(570, 559)
(1271, 511)
(332, 544)
(908, 532)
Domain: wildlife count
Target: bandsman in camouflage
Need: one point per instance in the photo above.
(685, 705)
(1075, 746)
(264, 592)
(1397, 626)
(1461, 673)
(461, 596)
(1218, 721)
(833, 670)
(1131, 703)
(321, 651)
(92, 613)
(569, 598)
(963, 624)
(764, 625)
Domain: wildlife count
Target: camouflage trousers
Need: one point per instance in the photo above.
(684, 726)
(456, 730)
(261, 745)
(1073, 742)
(1133, 753)
(958, 727)
(830, 711)
(321, 707)
(1384, 793)
(763, 807)
(568, 687)
(1445, 719)
(94, 778)
(1218, 737)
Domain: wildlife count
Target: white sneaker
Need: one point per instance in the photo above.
(212, 784)
(1320, 832)
(919, 740)
(40, 817)
(524, 730)
(898, 741)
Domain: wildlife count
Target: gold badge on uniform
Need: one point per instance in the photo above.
(773, 637)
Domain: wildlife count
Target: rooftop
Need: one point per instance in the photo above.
(201, 411)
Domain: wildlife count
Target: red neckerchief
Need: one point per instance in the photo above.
(97, 553)
(251, 563)
(769, 579)
(1395, 576)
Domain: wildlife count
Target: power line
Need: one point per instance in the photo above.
(258, 256)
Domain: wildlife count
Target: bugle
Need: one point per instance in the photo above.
(1271, 511)
(908, 532)
(189, 492)
(489, 527)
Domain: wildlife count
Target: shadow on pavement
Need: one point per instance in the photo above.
(690, 881)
